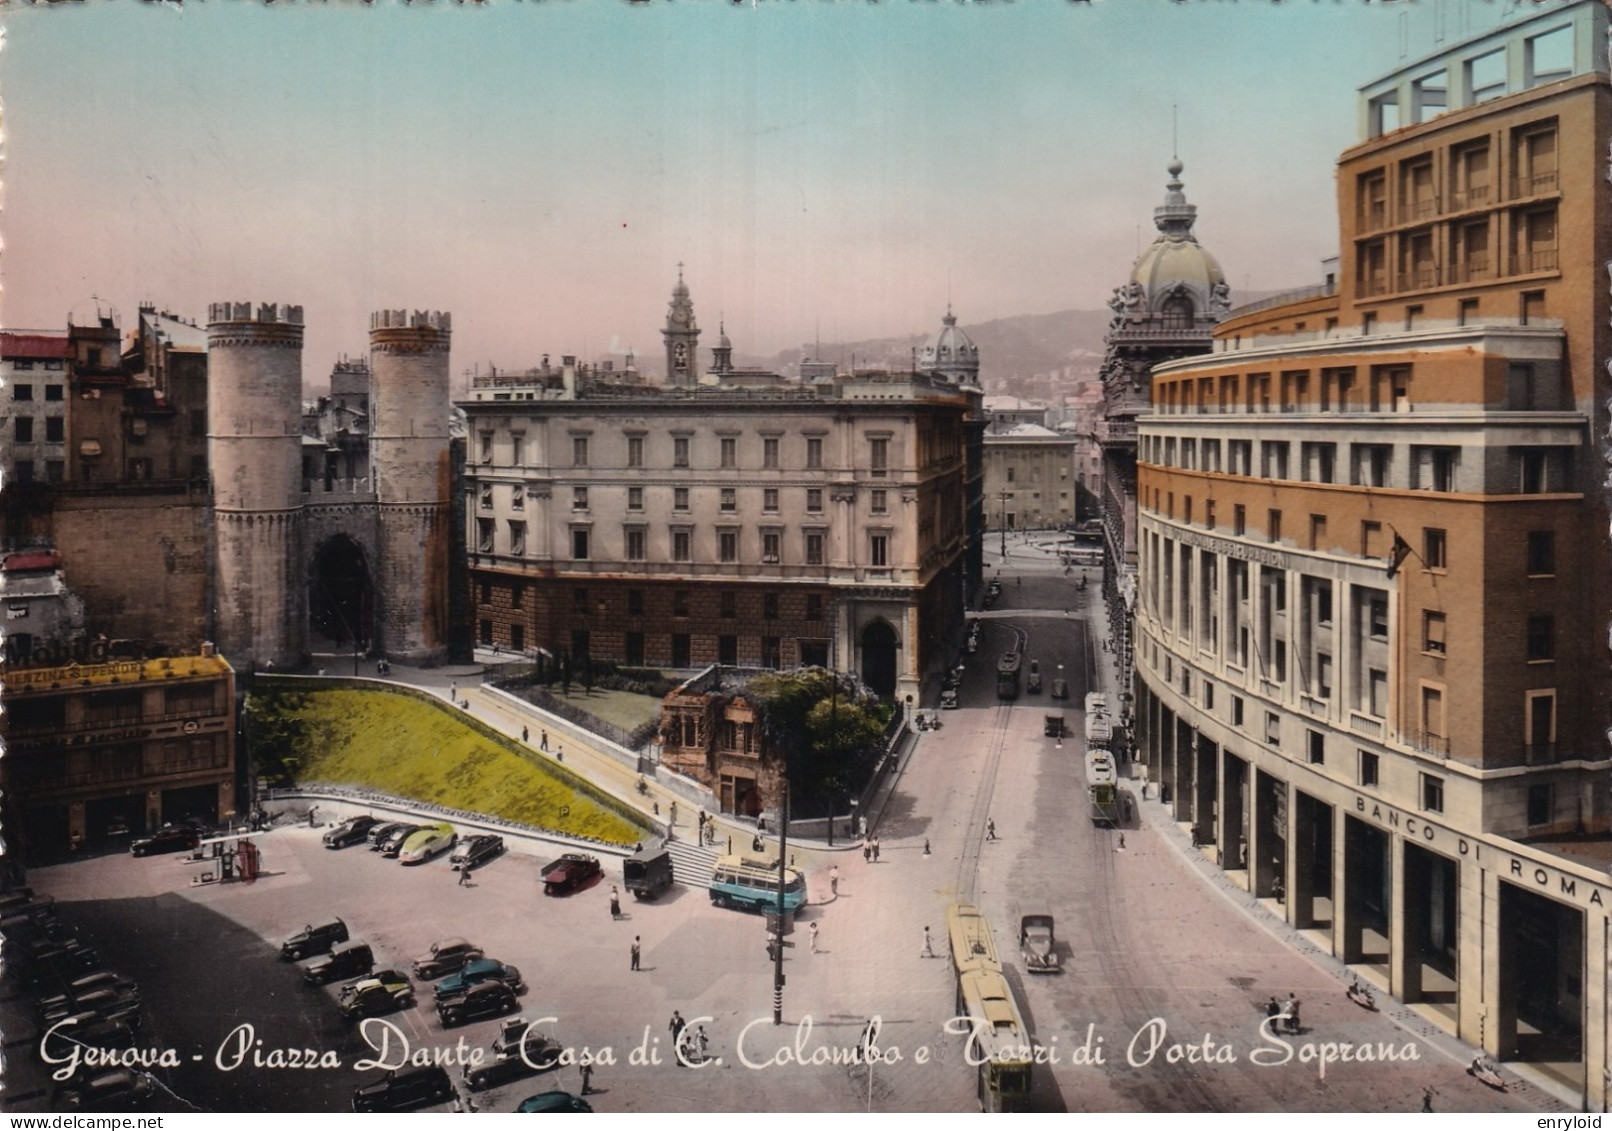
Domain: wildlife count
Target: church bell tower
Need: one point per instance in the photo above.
(682, 337)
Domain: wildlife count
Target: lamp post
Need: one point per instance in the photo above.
(1003, 499)
(783, 880)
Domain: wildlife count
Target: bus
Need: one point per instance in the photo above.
(750, 883)
(1007, 676)
(999, 1043)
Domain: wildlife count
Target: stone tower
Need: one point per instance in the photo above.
(409, 412)
(682, 337)
(254, 427)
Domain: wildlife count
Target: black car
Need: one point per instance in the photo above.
(488, 999)
(64, 1037)
(380, 832)
(541, 1055)
(554, 1101)
(474, 851)
(170, 838)
(569, 873)
(405, 1089)
(354, 830)
(121, 1089)
(313, 940)
(348, 960)
(107, 1002)
(52, 1001)
(392, 843)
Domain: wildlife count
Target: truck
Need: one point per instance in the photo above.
(1037, 944)
(647, 873)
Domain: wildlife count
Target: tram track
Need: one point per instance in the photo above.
(979, 814)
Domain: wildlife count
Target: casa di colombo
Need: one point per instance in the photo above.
(1373, 559)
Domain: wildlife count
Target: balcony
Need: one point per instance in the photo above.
(1426, 742)
(1533, 261)
(1536, 184)
(1116, 431)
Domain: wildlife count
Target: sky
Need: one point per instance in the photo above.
(830, 169)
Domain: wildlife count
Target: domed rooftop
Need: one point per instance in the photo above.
(1175, 262)
(952, 352)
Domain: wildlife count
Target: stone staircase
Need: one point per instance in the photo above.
(692, 863)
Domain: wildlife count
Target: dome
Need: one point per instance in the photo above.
(722, 342)
(952, 352)
(1175, 266)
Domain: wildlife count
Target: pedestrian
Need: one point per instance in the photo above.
(587, 1078)
(701, 1043)
(990, 828)
(875, 850)
(1122, 842)
(926, 846)
(559, 754)
(1427, 1099)
(312, 810)
(755, 843)
(1274, 1009)
(526, 735)
(543, 741)
(615, 904)
(867, 851)
(676, 1025)
(812, 930)
(834, 880)
(929, 949)
(672, 812)
(464, 877)
(638, 951)
(1292, 1011)
(453, 692)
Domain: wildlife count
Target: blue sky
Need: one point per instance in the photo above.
(539, 168)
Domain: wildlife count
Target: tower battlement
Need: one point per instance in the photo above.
(403, 319)
(275, 312)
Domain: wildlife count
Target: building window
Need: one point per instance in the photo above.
(517, 497)
(728, 604)
(22, 392)
(1318, 531)
(635, 602)
(730, 499)
(1432, 794)
(1377, 617)
(769, 452)
(56, 470)
(814, 500)
(680, 498)
(517, 595)
(1435, 468)
(1010, 475)
(679, 451)
(485, 496)
(1541, 553)
(814, 606)
(730, 452)
(1539, 804)
(634, 651)
(814, 548)
(25, 471)
(579, 451)
(1368, 768)
(1377, 693)
(772, 652)
(1273, 525)
(1239, 519)
(486, 447)
(485, 528)
(877, 503)
(680, 603)
(1237, 710)
(727, 650)
(1273, 729)
(814, 453)
(769, 500)
(579, 545)
(879, 455)
(579, 498)
(635, 451)
(728, 546)
(53, 429)
(879, 550)
(770, 542)
(682, 545)
(1541, 638)
(485, 636)
(517, 538)
(635, 498)
(517, 446)
(635, 545)
(24, 429)
(1435, 548)
(769, 606)
(1372, 465)
(1433, 632)
(579, 600)
(1316, 744)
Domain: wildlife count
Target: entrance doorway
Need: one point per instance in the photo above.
(879, 658)
(1541, 984)
(341, 596)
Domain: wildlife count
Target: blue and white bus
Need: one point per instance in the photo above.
(750, 883)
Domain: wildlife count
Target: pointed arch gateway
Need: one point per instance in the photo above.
(341, 593)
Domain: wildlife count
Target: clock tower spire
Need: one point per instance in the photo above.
(682, 336)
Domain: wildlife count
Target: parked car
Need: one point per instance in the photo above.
(1036, 944)
(474, 973)
(50, 1001)
(50, 963)
(348, 960)
(541, 1054)
(1032, 681)
(489, 999)
(444, 957)
(314, 939)
(569, 872)
(515, 1033)
(403, 1089)
(354, 830)
(381, 831)
(1060, 689)
(169, 838)
(648, 873)
(948, 699)
(474, 851)
(385, 992)
(109, 1003)
(427, 842)
(554, 1101)
(393, 842)
(1052, 726)
(64, 1036)
(121, 1089)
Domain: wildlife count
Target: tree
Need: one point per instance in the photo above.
(827, 729)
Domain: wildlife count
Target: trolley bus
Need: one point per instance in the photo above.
(1007, 676)
(1099, 723)
(1102, 786)
(750, 883)
(999, 1045)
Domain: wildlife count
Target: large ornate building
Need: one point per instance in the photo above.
(742, 518)
(1374, 571)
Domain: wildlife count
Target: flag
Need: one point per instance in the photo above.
(1398, 554)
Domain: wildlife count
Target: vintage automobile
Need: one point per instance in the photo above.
(489, 999)
(474, 851)
(948, 699)
(53, 1002)
(354, 830)
(385, 992)
(554, 1101)
(511, 1035)
(392, 843)
(406, 1088)
(380, 832)
(122, 1089)
(1060, 689)
(1032, 678)
(538, 1054)
(569, 873)
(1037, 944)
(313, 939)
(346, 961)
(169, 838)
(648, 873)
(62, 1037)
(1052, 726)
(107, 1002)
(427, 842)
(444, 957)
(474, 973)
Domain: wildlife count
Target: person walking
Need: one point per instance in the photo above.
(812, 930)
(875, 850)
(929, 948)
(464, 876)
(676, 1025)
(672, 813)
(990, 828)
(638, 951)
(834, 881)
(615, 903)
(526, 735)
(867, 851)
(1274, 1009)
(1291, 1009)
(543, 741)
(587, 1079)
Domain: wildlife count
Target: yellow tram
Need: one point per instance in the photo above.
(999, 1043)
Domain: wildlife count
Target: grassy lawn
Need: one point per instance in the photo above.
(621, 708)
(400, 745)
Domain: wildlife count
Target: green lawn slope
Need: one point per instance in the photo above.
(411, 747)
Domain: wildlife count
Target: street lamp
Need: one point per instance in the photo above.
(1003, 499)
